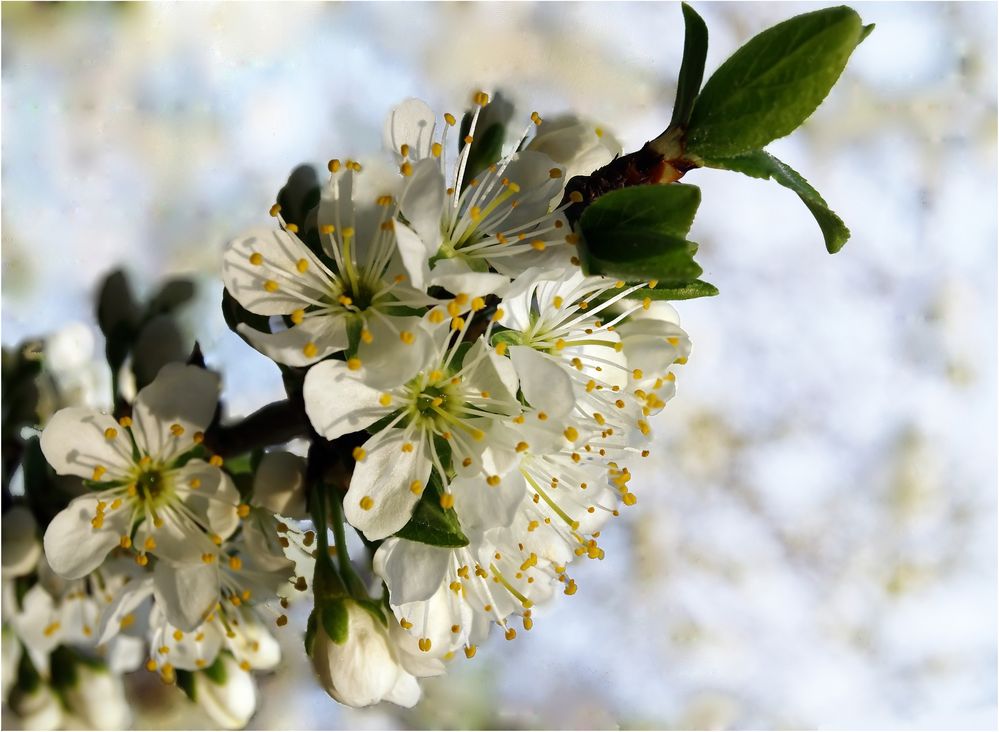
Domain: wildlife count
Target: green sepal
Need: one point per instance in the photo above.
(639, 233)
(336, 620)
(374, 609)
(216, 673)
(432, 524)
(695, 50)
(186, 683)
(767, 88)
(761, 164)
(310, 634)
(242, 470)
(685, 291)
(117, 316)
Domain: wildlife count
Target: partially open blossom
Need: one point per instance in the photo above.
(226, 692)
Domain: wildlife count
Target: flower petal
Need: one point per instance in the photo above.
(337, 401)
(414, 255)
(276, 286)
(74, 443)
(180, 396)
(279, 485)
(545, 384)
(412, 571)
(186, 593)
(73, 547)
(456, 276)
(398, 347)
(301, 345)
(406, 691)
(380, 500)
(215, 499)
(412, 124)
(422, 203)
(128, 597)
(21, 548)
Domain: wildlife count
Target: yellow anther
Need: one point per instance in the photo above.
(406, 625)
(149, 544)
(367, 502)
(292, 228)
(132, 491)
(407, 447)
(207, 558)
(406, 168)
(468, 139)
(500, 348)
(99, 470)
(571, 434)
(570, 589)
(455, 586)
(151, 665)
(481, 98)
(345, 301)
(510, 633)
(532, 525)
(407, 337)
(457, 323)
(644, 427)
(216, 460)
(242, 510)
(353, 364)
(110, 433)
(235, 564)
(327, 229)
(333, 165)
(513, 188)
(528, 623)
(449, 118)
(271, 286)
(309, 350)
(275, 209)
(538, 245)
(424, 644)
(629, 499)
(245, 665)
(281, 621)
(447, 500)
(469, 651)
(536, 118)
(436, 149)
(198, 437)
(493, 480)
(359, 454)
(404, 150)
(576, 197)
(125, 422)
(542, 416)
(522, 447)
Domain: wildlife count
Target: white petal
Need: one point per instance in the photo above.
(186, 593)
(385, 476)
(230, 704)
(179, 395)
(74, 443)
(412, 571)
(406, 691)
(325, 333)
(481, 506)
(422, 203)
(279, 485)
(281, 252)
(456, 276)
(73, 547)
(414, 253)
(389, 361)
(178, 539)
(411, 123)
(128, 597)
(21, 548)
(337, 401)
(216, 498)
(545, 384)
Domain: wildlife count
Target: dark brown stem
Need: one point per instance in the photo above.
(273, 424)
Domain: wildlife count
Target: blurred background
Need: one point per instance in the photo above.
(815, 540)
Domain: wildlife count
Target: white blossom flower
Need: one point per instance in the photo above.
(279, 484)
(37, 708)
(457, 396)
(453, 231)
(579, 145)
(150, 498)
(365, 668)
(357, 286)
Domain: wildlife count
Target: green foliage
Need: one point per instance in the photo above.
(432, 524)
(639, 233)
(686, 291)
(767, 88)
(490, 134)
(216, 673)
(695, 50)
(761, 164)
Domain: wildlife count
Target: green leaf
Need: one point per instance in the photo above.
(639, 233)
(685, 291)
(335, 620)
(695, 50)
(432, 524)
(761, 164)
(767, 88)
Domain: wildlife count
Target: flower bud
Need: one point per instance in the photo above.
(97, 698)
(36, 709)
(577, 144)
(21, 547)
(356, 661)
(225, 692)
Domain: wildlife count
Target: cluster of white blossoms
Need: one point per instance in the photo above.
(492, 398)
(503, 393)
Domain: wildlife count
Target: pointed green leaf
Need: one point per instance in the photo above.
(767, 88)
(761, 164)
(695, 50)
(432, 524)
(639, 233)
(685, 291)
